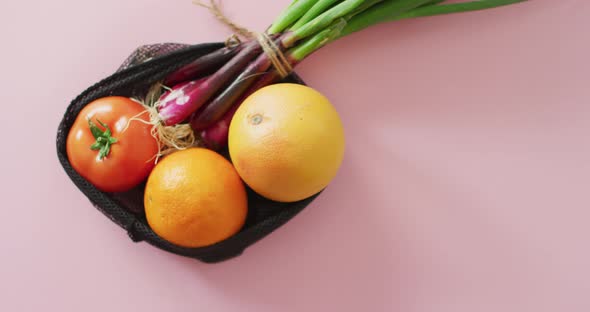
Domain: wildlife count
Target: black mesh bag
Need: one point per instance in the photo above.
(145, 66)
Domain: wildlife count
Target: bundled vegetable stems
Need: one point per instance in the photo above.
(207, 103)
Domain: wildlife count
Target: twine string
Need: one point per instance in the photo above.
(215, 9)
(269, 47)
(274, 53)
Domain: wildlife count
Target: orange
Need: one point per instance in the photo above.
(195, 198)
(286, 141)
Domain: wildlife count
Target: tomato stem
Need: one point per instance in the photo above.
(104, 138)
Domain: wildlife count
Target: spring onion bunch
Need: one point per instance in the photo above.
(207, 101)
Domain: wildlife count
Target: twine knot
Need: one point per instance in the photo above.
(269, 47)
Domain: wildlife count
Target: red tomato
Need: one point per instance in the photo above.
(101, 150)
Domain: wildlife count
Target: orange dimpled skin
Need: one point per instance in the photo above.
(195, 198)
(287, 142)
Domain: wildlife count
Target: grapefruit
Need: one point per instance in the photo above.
(286, 142)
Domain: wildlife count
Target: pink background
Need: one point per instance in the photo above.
(464, 188)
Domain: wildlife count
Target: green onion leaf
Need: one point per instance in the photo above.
(290, 15)
(432, 10)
